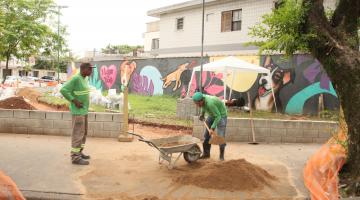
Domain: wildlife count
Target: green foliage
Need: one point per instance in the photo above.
(120, 49)
(23, 32)
(50, 65)
(282, 30)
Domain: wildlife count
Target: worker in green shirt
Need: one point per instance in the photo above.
(217, 119)
(76, 91)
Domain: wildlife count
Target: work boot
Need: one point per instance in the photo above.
(80, 162)
(206, 151)
(222, 152)
(83, 156)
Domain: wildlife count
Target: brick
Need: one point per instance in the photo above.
(15, 122)
(325, 133)
(35, 131)
(294, 132)
(273, 139)
(306, 125)
(243, 123)
(262, 132)
(91, 117)
(34, 114)
(5, 128)
(47, 123)
(292, 124)
(104, 134)
(63, 124)
(232, 130)
(321, 125)
(304, 140)
(22, 114)
(33, 123)
(114, 134)
(320, 140)
(277, 123)
(90, 133)
(288, 139)
(244, 131)
(66, 132)
(257, 139)
(19, 130)
(67, 116)
(53, 115)
(261, 123)
(119, 118)
(51, 131)
(4, 113)
(310, 133)
(278, 132)
(104, 117)
(231, 122)
(95, 126)
(111, 126)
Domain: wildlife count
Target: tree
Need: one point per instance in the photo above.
(331, 37)
(120, 49)
(22, 28)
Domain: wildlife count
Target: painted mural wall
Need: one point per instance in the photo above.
(299, 82)
(156, 76)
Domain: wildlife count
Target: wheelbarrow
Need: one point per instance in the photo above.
(185, 145)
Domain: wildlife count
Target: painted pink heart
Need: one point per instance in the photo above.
(108, 75)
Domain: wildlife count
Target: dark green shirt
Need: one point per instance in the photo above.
(215, 108)
(77, 88)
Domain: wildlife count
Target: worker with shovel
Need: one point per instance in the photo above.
(217, 119)
(77, 92)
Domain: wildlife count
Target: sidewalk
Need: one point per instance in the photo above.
(40, 165)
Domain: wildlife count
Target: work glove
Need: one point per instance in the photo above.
(201, 118)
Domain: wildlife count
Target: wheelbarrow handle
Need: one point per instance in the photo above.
(141, 137)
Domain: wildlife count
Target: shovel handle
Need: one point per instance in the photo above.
(207, 127)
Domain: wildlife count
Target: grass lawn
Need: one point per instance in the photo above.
(162, 109)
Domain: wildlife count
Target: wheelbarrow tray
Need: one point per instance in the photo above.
(176, 144)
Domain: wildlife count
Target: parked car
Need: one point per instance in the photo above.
(48, 78)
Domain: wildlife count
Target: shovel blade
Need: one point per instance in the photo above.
(216, 140)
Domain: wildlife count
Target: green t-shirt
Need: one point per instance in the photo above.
(215, 108)
(77, 88)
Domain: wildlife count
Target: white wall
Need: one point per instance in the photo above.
(191, 34)
(148, 39)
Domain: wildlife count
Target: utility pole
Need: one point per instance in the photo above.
(202, 45)
(59, 44)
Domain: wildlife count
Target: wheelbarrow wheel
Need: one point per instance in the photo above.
(193, 154)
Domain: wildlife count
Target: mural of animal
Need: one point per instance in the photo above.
(126, 70)
(278, 78)
(175, 76)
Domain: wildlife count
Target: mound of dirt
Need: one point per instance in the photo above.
(233, 175)
(16, 103)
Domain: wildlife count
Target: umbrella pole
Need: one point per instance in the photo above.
(251, 121)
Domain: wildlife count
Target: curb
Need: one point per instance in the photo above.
(41, 195)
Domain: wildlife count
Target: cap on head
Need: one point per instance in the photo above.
(198, 96)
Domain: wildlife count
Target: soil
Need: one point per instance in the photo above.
(152, 132)
(233, 175)
(16, 103)
(172, 144)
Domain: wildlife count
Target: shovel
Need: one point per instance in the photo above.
(215, 138)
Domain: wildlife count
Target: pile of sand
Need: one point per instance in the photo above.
(29, 93)
(233, 175)
(16, 103)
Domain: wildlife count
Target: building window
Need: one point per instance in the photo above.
(155, 43)
(231, 20)
(180, 23)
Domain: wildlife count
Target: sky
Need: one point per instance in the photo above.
(97, 23)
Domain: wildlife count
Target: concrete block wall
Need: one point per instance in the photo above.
(58, 123)
(186, 109)
(273, 130)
